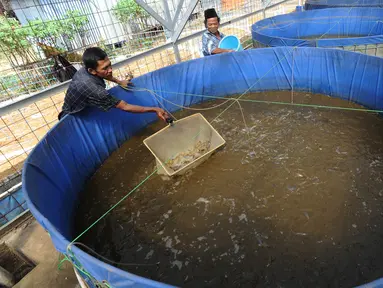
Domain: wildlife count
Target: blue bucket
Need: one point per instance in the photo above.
(230, 42)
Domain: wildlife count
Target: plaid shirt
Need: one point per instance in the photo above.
(87, 90)
(210, 42)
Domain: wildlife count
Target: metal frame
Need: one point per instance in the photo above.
(178, 11)
(171, 26)
(180, 27)
(155, 15)
(18, 104)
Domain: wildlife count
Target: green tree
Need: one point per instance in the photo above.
(72, 24)
(44, 31)
(128, 10)
(14, 41)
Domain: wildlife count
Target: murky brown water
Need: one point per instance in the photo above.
(294, 201)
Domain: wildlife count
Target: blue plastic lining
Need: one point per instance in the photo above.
(56, 170)
(321, 4)
(364, 26)
(12, 206)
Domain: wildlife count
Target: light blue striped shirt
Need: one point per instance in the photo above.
(210, 42)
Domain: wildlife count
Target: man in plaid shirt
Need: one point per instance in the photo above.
(88, 88)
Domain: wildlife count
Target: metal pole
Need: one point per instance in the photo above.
(177, 13)
(165, 22)
(168, 17)
(166, 10)
(177, 53)
(265, 6)
(185, 17)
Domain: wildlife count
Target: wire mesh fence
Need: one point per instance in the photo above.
(141, 46)
(41, 30)
(21, 130)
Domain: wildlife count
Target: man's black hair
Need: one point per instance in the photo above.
(91, 56)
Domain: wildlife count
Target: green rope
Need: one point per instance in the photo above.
(262, 101)
(61, 262)
(94, 280)
(114, 206)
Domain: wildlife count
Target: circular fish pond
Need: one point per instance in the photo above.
(294, 198)
(356, 29)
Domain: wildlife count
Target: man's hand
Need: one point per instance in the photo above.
(141, 109)
(124, 83)
(161, 113)
(220, 51)
(129, 76)
(128, 80)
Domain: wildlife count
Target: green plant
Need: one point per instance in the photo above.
(14, 41)
(72, 23)
(126, 10)
(12, 85)
(27, 81)
(44, 31)
(107, 48)
(148, 43)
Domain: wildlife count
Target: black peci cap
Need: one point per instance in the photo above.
(210, 13)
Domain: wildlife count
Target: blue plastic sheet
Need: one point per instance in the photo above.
(11, 206)
(289, 29)
(56, 170)
(321, 4)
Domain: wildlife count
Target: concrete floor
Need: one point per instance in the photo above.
(31, 240)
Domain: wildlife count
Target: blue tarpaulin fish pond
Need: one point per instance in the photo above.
(321, 4)
(57, 169)
(357, 29)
